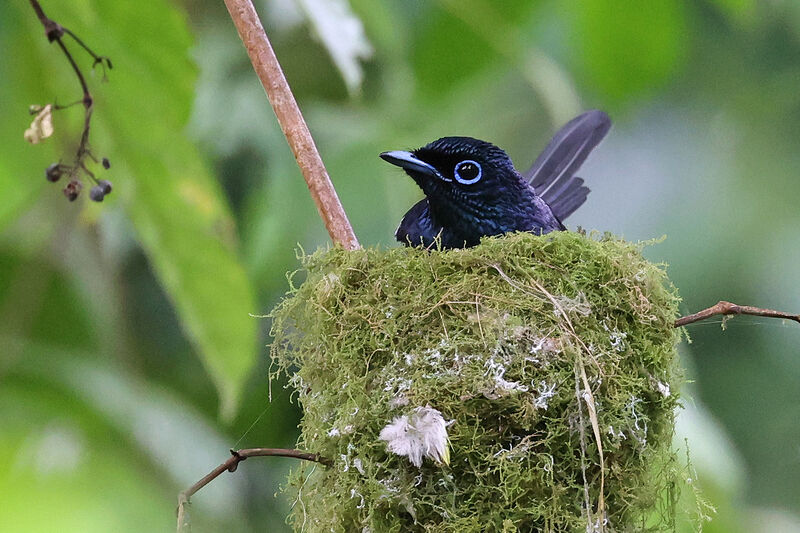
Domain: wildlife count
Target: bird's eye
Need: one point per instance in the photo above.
(468, 172)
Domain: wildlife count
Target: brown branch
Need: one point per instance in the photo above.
(237, 456)
(292, 123)
(728, 308)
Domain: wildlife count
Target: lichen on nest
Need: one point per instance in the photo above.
(551, 360)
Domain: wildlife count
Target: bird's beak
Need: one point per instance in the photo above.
(408, 161)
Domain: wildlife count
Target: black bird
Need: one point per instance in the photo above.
(473, 190)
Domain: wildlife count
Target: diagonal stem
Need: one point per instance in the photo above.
(54, 32)
(728, 308)
(237, 456)
(292, 123)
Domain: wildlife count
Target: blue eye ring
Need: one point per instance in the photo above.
(468, 181)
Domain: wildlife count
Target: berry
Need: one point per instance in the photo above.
(106, 163)
(105, 186)
(72, 190)
(96, 193)
(53, 172)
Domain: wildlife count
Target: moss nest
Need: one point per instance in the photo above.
(549, 362)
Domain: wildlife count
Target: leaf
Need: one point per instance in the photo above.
(455, 40)
(626, 47)
(739, 10)
(342, 34)
(22, 166)
(175, 204)
(178, 211)
(42, 126)
(75, 427)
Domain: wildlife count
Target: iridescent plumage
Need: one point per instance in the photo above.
(473, 190)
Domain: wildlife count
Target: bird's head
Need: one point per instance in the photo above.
(461, 174)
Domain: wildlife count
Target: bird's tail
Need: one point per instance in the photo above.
(552, 175)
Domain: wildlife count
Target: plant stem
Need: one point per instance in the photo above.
(292, 123)
(728, 308)
(237, 456)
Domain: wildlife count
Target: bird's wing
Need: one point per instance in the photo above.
(416, 224)
(552, 174)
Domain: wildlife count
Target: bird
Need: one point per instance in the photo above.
(472, 189)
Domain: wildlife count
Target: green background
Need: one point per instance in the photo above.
(130, 358)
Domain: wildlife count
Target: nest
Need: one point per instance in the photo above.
(548, 361)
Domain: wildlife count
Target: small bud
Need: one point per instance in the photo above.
(72, 190)
(106, 163)
(96, 193)
(53, 172)
(105, 186)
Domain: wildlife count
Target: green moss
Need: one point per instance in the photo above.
(498, 338)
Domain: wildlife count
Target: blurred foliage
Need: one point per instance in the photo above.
(164, 188)
(125, 325)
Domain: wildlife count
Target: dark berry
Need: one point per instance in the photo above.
(72, 190)
(53, 172)
(106, 163)
(105, 186)
(96, 193)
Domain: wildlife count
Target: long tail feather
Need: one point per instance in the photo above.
(552, 174)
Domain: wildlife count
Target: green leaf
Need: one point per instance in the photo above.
(22, 71)
(628, 46)
(177, 208)
(175, 204)
(457, 40)
(76, 429)
(739, 10)
(342, 34)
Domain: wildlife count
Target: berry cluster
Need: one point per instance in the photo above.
(74, 186)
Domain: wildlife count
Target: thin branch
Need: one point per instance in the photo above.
(87, 96)
(728, 308)
(292, 123)
(55, 32)
(51, 28)
(101, 60)
(237, 456)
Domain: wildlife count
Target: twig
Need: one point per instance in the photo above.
(55, 32)
(728, 308)
(101, 60)
(292, 123)
(237, 456)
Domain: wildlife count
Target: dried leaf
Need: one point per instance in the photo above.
(42, 126)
